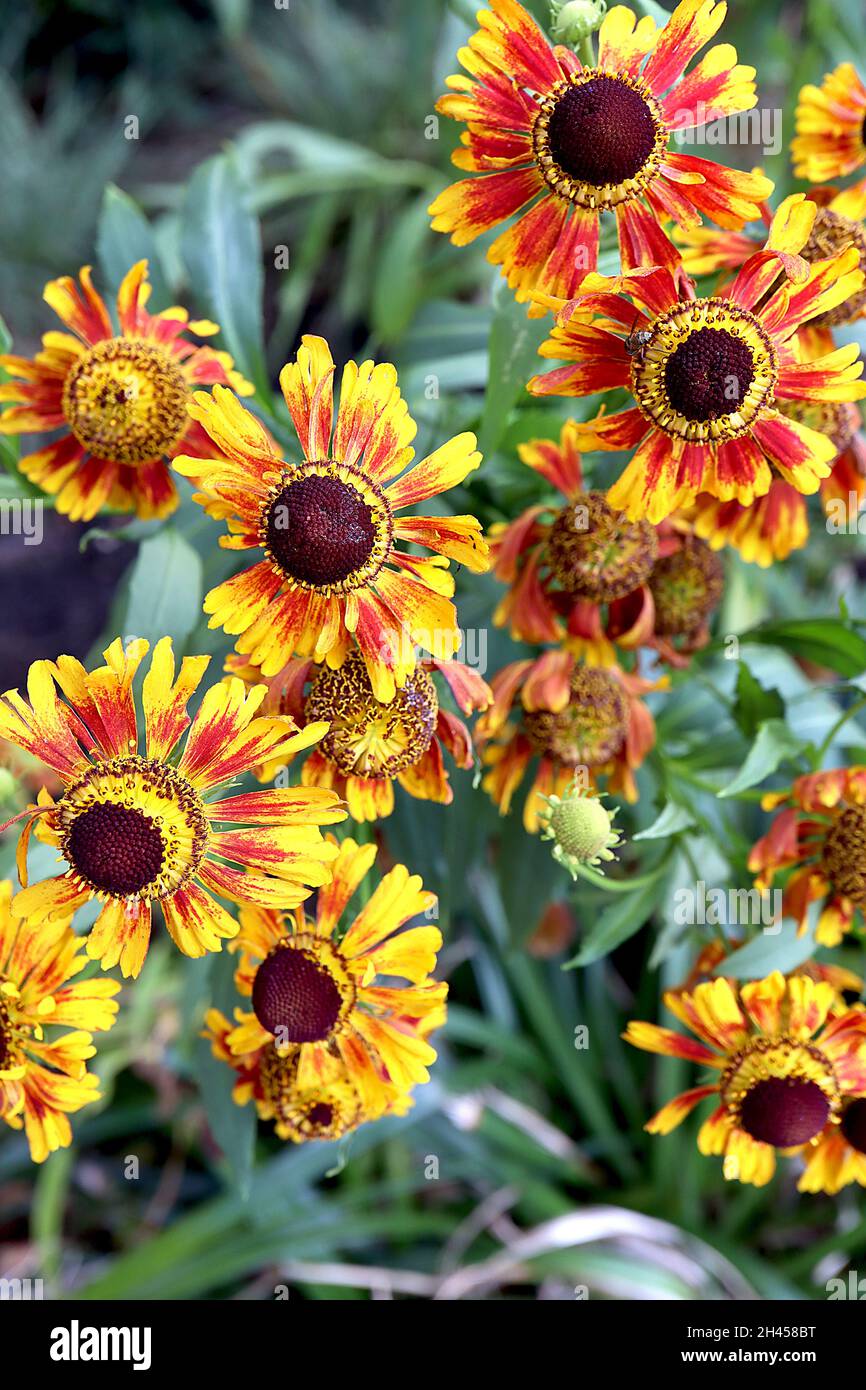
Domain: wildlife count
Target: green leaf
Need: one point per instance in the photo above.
(825, 641)
(514, 342)
(321, 163)
(622, 919)
(233, 1126)
(165, 590)
(774, 743)
(221, 248)
(754, 704)
(783, 950)
(125, 236)
(670, 821)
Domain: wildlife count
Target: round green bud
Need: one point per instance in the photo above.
(571, 21)
(581, 827)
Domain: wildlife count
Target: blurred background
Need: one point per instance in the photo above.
(522, 1170)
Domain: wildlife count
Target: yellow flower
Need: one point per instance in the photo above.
(332, 575)
(43, 1081)
(137, 826)
(316, 996)
(120, 398)
(787, 1061)
(831, 126)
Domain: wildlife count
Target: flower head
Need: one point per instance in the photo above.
(711, 375)
(786, 1065)
(820, 835)
(44, 1078)
(371, 745)
(137, 823)
(838, 1156)
(559, 143)
(831, 126)
(580, 826)
(119, 397)
(332, 574)
(317, 995)
(576, 720)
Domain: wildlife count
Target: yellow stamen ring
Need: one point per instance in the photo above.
(715, 375)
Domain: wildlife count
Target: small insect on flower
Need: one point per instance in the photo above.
(636, 342)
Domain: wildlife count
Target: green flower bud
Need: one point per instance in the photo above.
(571, 21)
(581, 827)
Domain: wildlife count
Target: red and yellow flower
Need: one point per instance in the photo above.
(831, 126)
(786, 1063)
(838, 1157)
(119, 397)
(585, 576)
(820, 834)
(709, 376)
(44, 1079)
(371, 745)
(332, 575)
(577, 720)
(136, 828)
(774, 525)
(317, 994)
(325, 1106)
(559, 143)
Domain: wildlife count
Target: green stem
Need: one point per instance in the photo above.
(843, 719)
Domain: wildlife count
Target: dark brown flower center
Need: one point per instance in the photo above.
(709, 374)
(590, 730)
(784, 1111)
(320, 530)
(854, 1125)
(295, 997)
(601, 132)
(686, 587)
(321, 1116)
(117, 849)
(844, 854)
(595, 552)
